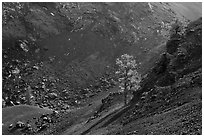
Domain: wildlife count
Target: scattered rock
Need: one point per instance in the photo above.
(20, 124)
(52, 95)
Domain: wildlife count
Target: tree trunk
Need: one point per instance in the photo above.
(125, 90)
(125, 97)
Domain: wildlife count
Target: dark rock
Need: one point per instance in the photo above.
(10, 126)
(52, 95)
(20, 124)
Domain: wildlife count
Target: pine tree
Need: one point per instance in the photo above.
(128, 77)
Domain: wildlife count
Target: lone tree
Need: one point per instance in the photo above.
(128, 77)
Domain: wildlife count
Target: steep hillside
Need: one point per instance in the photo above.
(59, 58)
(54, 47)
(169, 101)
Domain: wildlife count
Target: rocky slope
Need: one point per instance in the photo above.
(54, 47)
(170, 99)
(61, 56)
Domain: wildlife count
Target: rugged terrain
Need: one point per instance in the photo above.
(59, 63)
